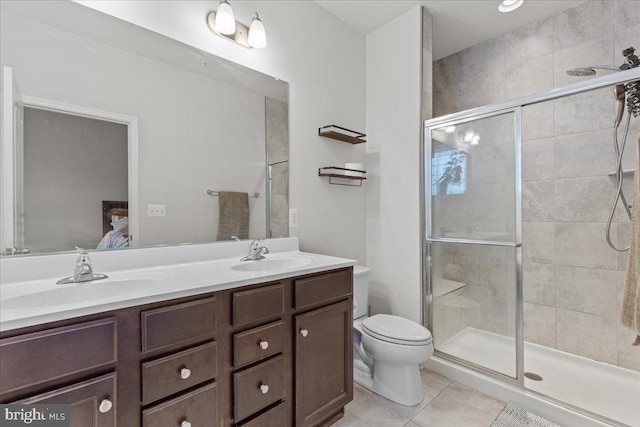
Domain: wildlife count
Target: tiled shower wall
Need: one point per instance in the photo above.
(277, 136)
(572, 280)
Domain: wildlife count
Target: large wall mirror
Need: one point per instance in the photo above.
(115, 136)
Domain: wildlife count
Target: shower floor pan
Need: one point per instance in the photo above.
(597, 387)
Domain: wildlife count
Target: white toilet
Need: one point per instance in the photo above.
(387, 350)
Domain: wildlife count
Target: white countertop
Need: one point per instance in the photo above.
(31, 302)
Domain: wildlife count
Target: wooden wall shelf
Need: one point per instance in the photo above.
(342, 134)
(336, 172)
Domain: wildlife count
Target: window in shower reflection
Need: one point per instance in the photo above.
(449, 172)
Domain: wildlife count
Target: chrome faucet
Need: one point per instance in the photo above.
(83, 271)
(256, 251)
(15, 251)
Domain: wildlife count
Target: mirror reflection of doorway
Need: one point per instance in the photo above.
(71, 164)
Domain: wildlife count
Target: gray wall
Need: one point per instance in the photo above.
(572, 280)
(71, 165)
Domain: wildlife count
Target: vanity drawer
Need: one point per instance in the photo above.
(323, 288)
(249, 346)
(30, 359)
(249, 392)
(198, 407)
(164, 377)
(274, 417)
(258, 304)
(181, 323)
(84, 400)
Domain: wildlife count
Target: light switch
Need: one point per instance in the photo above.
(156, 210)
(293, 217)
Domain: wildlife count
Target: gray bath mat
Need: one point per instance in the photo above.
(512, 416)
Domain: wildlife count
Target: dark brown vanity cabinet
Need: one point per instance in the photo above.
(91, 402)
(259, 354)
(61, 365)
(323, 354)
(323, 347)
(153, 365)
(179, 365)
(268, 355)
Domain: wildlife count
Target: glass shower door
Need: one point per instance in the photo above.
(473, 240)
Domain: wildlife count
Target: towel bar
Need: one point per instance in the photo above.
(217, 193)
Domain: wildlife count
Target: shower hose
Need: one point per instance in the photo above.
(619, 149)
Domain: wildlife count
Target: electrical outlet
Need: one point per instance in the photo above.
(293, 217)
(156, 210)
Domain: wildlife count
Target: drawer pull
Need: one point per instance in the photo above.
(185, 423)
(185, 373)
(264, 389)
(264, 345)
(105, 406)
(304, 332)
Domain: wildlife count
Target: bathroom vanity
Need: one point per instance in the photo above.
(272, 349)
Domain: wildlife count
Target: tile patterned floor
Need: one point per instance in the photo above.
(446, 403)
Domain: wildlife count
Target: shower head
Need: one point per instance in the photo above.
(588, 71)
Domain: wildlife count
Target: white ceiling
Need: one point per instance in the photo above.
(457, 24)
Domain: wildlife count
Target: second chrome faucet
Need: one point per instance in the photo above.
(256, 251)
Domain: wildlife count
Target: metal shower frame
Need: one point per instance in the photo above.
(512, 106)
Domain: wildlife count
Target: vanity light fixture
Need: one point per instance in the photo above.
(468, 136)
(257, 35)
(223, 23)
(509, 5)
(225, 20)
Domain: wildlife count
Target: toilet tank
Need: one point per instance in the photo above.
(360, 291)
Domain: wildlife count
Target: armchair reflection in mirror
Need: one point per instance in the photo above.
(190, 121)
(118, 236)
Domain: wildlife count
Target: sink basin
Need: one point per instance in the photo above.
(78, 293)
(265, 265)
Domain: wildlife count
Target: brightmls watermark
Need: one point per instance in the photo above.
(34, 415)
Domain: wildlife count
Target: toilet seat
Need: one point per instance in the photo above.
(396, 330)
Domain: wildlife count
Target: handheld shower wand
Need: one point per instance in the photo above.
(621, 97)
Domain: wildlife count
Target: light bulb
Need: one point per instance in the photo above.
(469, 134)
(257, 35)
(475, 140)
(510, 5)
(449, 129)
(225, 21)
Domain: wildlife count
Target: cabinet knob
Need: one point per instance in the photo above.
(264, 389)
(185, 373)
(304, 332)
(105, 406)
(264, 345)
(185, 423)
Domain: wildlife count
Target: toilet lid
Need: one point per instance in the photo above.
(396, 330)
